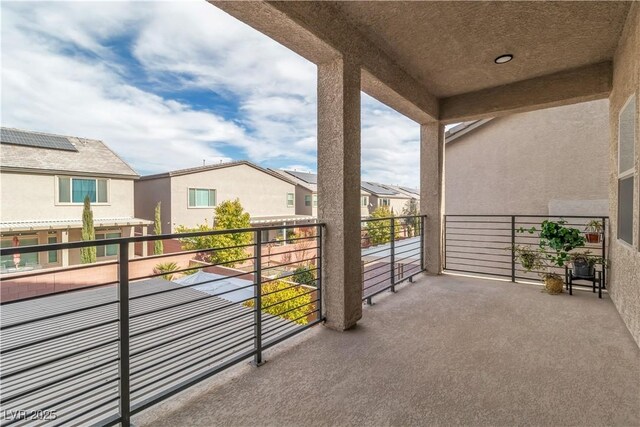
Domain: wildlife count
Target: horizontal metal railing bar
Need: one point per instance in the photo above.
(135, 239)
(377, 252)
(194, 316)
(377, 283)
(169, 374)
(477, 272)
(502, 253)
(107, 422)
(296, 331)
(412, 257)
(478, 222)
(189, 349)
(262, 282)
(481, 235)
(290, 263)
(384, 263)
(6, 399)
(51, 316)
(479, 228)
(289, 299)
(501, 248)
(293, 239)
(384, 273)
(295, 285)
(392, 217)
(293, 321)
(267, 255)
(182, 270)
(33, 273)
(189, 334)
(481, 266)
(66, 291)
(524, 216)
(206, 282)
(4, 375)
(275, 319)
(414, 250)
(479, 259)
(507, 241)
(177, 388)
(407, 244)
(56, 336)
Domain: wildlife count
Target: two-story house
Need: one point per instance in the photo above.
(385, 195)
(45, 179)
(188, 196)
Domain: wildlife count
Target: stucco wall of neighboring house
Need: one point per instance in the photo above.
(624, 277)
(147, 195)
(398, 204)
(301, 208)
(33, 197)
(523, 163)
(260, 194)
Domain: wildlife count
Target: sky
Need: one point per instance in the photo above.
(168, 85)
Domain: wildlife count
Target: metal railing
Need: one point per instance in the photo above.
(123, 335)
(485, 244)
(392, 251)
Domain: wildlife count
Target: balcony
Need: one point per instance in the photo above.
(444, 350)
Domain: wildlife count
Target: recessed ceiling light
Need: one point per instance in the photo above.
(503, 59)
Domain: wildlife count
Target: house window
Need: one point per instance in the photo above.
(25, 259)
(307, 200)
(290, 200)
(626, 169)
(52, 256)
(384, 202)
(74, 190)
(364, 201)
(107, 250)
(315, 200)
(202, 198)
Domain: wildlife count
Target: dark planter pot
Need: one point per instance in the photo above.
(582, 268)
(593, 237)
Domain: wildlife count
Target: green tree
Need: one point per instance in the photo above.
(305, 275)
(412, 225)
(379, 230)
(222, 248)
(88, 254)
(158, 247)
(287, 301)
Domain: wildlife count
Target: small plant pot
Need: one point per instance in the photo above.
(593, 237)
(583, 269)
(553, 285)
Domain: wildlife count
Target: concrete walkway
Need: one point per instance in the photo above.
(444, 350)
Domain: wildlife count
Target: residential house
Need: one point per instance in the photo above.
(306, 190)
(188, 196)
(45, 179)
(565, 171)
(386, 195)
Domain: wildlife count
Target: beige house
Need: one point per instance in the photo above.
(45, 179)
(386, 195)
(189, 196)
(306, 190)
(564, 171)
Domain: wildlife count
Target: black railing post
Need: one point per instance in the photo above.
(257, 361)
(513, 248)
(604, 251)
(444, 244)
(319, 272)
(393, 255)
(123, 349)
(422, 237)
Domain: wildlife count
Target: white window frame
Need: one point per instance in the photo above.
(293, 200)
(71, 203)
(364, 201)
(381, 202)
(215, 202)
(104, 233)
(629, 173)
(310, 200)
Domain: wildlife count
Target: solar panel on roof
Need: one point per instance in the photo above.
(38, 140)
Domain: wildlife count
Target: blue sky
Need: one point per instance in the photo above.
(168, 85)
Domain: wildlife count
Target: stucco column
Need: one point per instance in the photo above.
(130, 232)
(64, 238)
(145, 244)
(339, 191)
(431, 192)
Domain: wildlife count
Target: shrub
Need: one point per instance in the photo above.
(286, 300)
(166, 267)
(88, 254)
(304, 275)
(158, 246)
(379, 230)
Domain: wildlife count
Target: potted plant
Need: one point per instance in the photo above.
(530, 258)
(556, 241)
(594, 230)
(584, 264)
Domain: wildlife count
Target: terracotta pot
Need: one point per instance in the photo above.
(593, 237)
(553, 285)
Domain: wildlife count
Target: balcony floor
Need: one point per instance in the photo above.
(444, 350)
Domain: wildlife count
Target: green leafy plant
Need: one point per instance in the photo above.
(158, 247)
(379, 229)
(530, 258)
(88, 254)
(594, 226)
(412, 225)
(586, 258)
(166, 267)
(288, 301)
(225, 248)
(304, 275)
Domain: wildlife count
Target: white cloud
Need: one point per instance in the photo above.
(61, 73)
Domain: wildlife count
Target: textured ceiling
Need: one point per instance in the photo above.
(450, 46)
